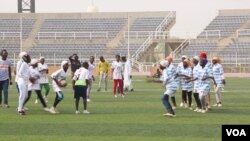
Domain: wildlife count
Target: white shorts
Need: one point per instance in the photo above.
(170, 92)
(195, 91)
(220, 85)
(203, 93)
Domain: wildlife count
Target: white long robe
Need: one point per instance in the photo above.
(127, 73)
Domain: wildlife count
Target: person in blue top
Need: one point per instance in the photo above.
(205, 73)
(185, 73)
(196, 67)
(209, 65)
(171, 70)
(179, 67)
(171, 87)
(218, 73)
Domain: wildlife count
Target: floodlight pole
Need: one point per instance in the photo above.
(21, 33)
(128, 39)
(26, 6)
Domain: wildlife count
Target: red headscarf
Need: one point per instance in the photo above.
(203, 55)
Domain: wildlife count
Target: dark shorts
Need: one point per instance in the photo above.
(80, 91)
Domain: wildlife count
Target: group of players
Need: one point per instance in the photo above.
(194, 76)
(32, 75)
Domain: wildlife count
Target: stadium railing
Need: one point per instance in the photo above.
(4, 35)
(210, 33)
(168, 19)
(74, 35)
(243, 32)
(146, 34)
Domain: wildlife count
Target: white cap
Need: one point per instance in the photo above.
(33, 61)
(164, 63)
(41, 58)
(197, 58)
(63, 63)
(184, 56)
(22, 54)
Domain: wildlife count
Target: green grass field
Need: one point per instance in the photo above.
(137, 117)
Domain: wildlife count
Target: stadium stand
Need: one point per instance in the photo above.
(227, 36)
(56, 36)
(10, 28)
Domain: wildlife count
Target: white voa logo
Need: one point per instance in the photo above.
(236, 132)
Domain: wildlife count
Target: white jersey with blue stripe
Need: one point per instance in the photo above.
(218, 73)
(205, 72)
(169, 78)
(179, 67)
(187, 72)
(195, 75)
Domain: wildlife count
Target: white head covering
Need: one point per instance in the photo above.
(184, 56)
(22, 54)
(215, 58)
(197, 58)
(164, 63)
(63, 63)
(33, 61)
(41, 58)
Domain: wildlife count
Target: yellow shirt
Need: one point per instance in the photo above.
(103, 67)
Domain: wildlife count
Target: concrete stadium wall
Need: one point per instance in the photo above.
(234, 12)
(82, 15)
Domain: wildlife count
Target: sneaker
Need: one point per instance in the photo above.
(132, 90)
(219, 105)
(185, 105)
(115, 96)
(88, 100)
(36, 101)
(169, 115)
(52, 110)
(77, 112)
(122, 95)
(174, 107)
(203, 111)
(46, 109)
(190, 108)
(25, 109)
(21, 113)
(196, 109)
(181, 105)
(86, 112)
(199, 110)
(209, 107)
(215, 105)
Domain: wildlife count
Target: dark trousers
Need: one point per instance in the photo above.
(58, 99)
(39, 95)
(4, 85)
(197, 100)
(165, 101)
(185, 95)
